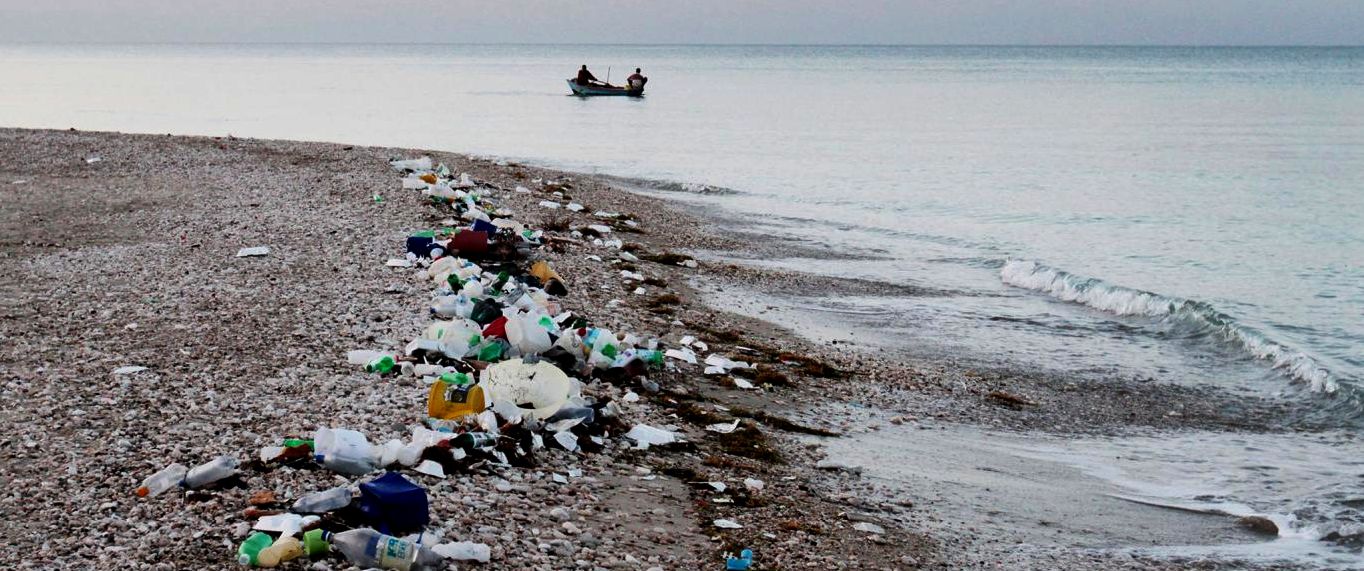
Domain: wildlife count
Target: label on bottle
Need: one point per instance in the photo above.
(395, 554)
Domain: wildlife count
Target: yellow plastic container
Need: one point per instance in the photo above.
(452, 398)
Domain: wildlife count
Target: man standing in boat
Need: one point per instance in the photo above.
(585, 77)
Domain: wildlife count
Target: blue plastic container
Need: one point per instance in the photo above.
(394, 505)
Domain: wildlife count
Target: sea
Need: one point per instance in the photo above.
(1190, 215)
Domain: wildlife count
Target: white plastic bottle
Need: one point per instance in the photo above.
(211, 471)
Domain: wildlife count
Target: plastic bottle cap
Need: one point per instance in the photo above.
(314, 542)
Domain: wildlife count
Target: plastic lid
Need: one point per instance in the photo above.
(315, 542)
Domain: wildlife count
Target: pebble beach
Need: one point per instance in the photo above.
(120, 251)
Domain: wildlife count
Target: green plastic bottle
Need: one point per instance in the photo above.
(383, 365)
(249, 552)
(293, 442)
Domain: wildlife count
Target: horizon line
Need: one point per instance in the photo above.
(674, 44)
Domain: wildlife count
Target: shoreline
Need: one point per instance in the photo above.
(324, 290)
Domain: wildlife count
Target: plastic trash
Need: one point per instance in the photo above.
(430, 468)
(682, 354)
(470, 243)
(345, 451)
(394, 504)
(128, 370)
(164, 479)
(464, 551)
(324, 501)
(419, 164)
(286, 548)
(869, 527)
(553, 283)
(723, 427)
(540, 387)
(366, 548)
(741, 563)
(728, 524)
(251, 252)
(315, 543)
(526, 334)
(454, 396)
(285, 523)
(250, 549)
(645, 436)
(211, 471)
(474, 440)
(383, 365)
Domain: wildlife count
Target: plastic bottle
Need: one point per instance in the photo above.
(285, 548)
(165, 479)
(324, 501)
(249, 552)
(345, 451)
(472, 440)
(382, 365)
(211, 471)
(368, 548)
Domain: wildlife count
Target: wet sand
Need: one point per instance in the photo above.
(129, 261)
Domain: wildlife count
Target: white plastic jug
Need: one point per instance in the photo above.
(526, 334)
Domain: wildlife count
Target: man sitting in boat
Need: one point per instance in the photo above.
(636, 81)
(585, 77)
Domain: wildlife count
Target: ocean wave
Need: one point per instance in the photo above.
(669, 186)
(1202, 316)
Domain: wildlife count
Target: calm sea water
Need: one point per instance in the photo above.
(1194, 215)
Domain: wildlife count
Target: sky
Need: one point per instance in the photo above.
(1029, 22)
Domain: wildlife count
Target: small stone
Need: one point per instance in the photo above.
(561, 514)
(1259, 524)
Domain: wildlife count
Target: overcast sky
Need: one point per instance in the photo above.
(1183, 22)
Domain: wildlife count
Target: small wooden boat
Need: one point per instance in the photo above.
(589, 90)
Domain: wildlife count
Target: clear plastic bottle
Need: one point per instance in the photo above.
(345, 451)
(167, 478)
(322, 502)
(368, 548)
(211, 471)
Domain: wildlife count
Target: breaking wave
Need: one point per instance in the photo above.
(1203, 317)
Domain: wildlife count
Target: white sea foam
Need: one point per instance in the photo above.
(1120, 300)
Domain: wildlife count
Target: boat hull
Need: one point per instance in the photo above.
(597, 90)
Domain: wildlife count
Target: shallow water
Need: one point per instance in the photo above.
(1132, 494)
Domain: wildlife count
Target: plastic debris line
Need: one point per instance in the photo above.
(504, 365)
